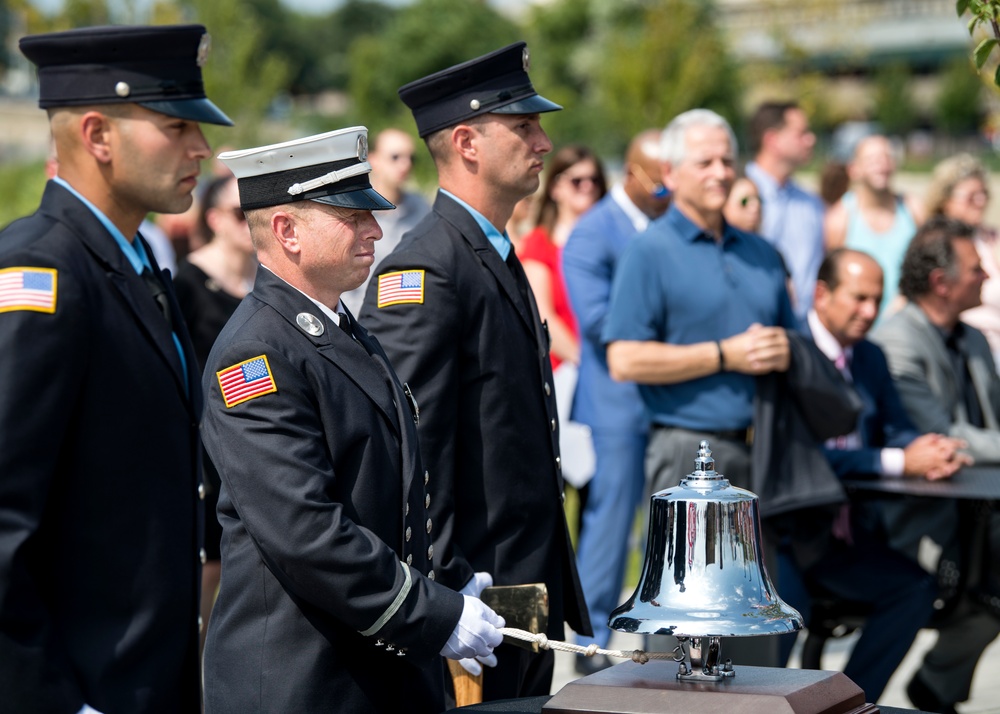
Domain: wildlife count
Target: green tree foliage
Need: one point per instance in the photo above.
(895, 110)
(958, 108)
(81, 13)
(22, 185)
(562, 37)
(423, 37)
(658, 59)
(983, 14)
(325, 43)
(241, 76)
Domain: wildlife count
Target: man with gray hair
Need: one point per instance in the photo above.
(698, 309)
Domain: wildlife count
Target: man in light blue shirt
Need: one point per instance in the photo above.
(793, 217)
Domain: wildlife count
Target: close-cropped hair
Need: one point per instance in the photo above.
(932, 248)
(672, 141)
(769, 116)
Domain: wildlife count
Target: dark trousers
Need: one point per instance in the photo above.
(519, 673)
(900, 592)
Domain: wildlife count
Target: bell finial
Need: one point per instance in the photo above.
(704, 463)
(704, 474)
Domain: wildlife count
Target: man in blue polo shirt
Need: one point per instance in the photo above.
(698, 310)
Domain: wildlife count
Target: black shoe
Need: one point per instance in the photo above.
(924, 699)
(589, 665)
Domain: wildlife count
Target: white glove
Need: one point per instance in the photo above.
(476, 585)
(472, 664)
(477, 632)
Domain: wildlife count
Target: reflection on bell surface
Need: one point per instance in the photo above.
(704, 575)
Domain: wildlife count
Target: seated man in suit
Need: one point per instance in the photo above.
(848, 562)
(948, 383)
(885, 443)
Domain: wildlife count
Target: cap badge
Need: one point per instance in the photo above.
(122, 89)
(310, 324)
(362, 148)
(474, 105)
(525, 59)
(203, 48)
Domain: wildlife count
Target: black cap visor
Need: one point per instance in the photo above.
(364, 199)
(199, 110)
(535, 104)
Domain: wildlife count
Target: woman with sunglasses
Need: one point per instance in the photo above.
(574, 183)
(210, 284)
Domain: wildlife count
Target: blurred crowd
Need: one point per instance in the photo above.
(598, 330)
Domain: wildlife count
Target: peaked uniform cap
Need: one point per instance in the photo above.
(329, 168)
(496, 83)
(157, 67)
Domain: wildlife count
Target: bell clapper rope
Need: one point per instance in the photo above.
(639, 656)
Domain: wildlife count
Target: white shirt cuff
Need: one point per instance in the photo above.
(893, 462)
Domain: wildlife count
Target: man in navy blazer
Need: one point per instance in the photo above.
(613, 410)
(885, 442)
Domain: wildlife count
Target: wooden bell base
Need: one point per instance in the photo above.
(652, 688)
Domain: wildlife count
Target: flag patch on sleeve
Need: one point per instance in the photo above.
(31, 289)
(246, 380)
(400, 288)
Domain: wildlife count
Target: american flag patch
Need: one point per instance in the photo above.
(28, 289)
(246, 380)
(400, 288)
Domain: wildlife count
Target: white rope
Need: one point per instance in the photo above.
(545, 643)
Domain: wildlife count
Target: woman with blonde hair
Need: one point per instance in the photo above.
(960, 189)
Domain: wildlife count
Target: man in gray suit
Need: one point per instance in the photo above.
(947, 380)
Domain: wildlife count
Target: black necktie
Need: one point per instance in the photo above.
(345, 324)
(519, 277)
(158, 292)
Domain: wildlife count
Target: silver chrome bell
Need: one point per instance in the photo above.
(704, 574)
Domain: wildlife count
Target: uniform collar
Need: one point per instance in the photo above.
(133, 249)
(498, 240)
(334, 315)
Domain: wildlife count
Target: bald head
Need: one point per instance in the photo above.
(643, 177)
(848, 294)
(644, 147)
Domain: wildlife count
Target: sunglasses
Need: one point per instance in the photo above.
(397, 157)
(237, 213)
(578, 181)
(751, 201)
(976, 198)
